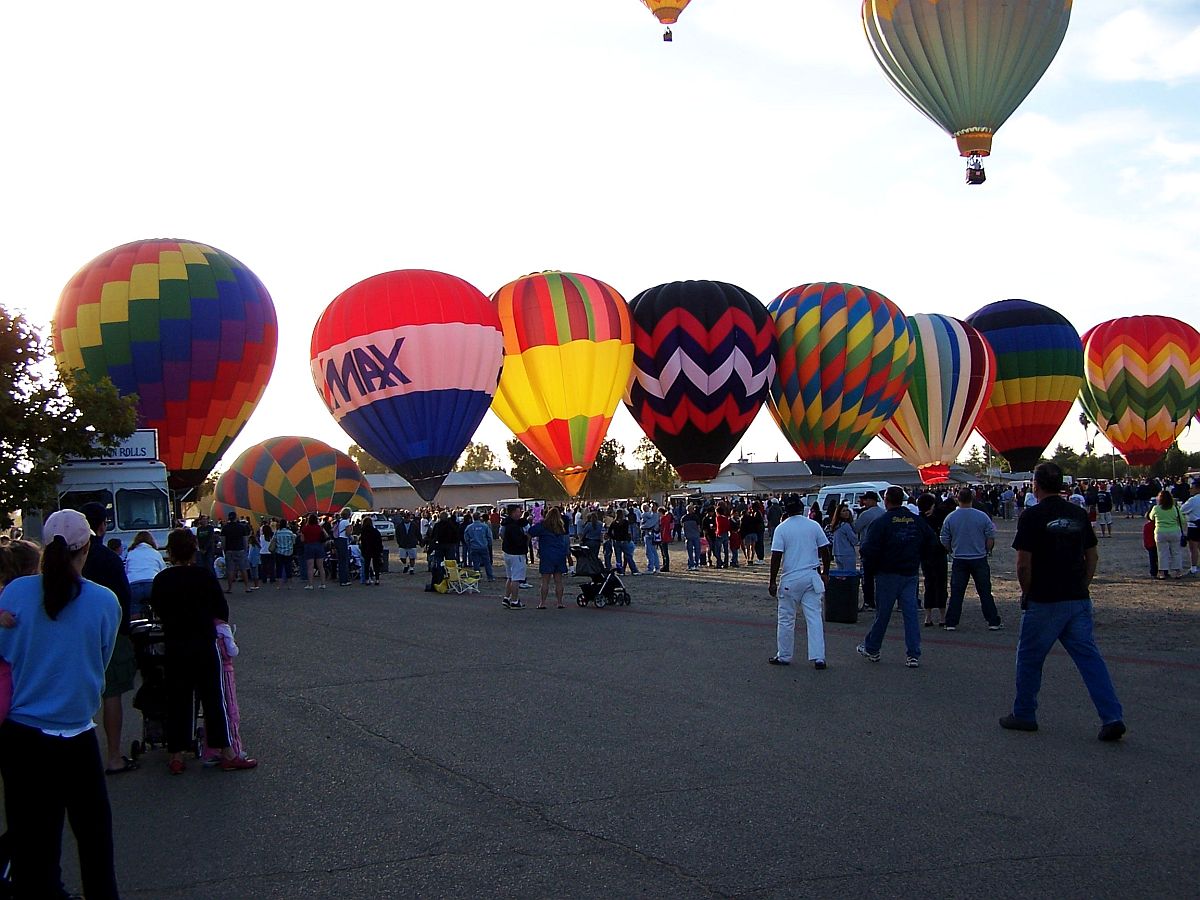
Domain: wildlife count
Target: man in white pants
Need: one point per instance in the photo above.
(799, 567)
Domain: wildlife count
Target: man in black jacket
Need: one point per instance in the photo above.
(896, 543)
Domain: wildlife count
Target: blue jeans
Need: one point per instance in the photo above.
(624, 550)
(890, 589)
(721, 550)
(482, 559)
(961, 570)
(343, 560)
(652, 563)
(1069, 623)
(608, 554)
(692, 542)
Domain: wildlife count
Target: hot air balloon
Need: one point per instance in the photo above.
(407, 363)
(952, 380)
(845, 360)
(1141, 383)
(966, 64)
(703, 358)
(568, 351)
(187, 328)
(288, 477)
(1039, 370)
(667, 12)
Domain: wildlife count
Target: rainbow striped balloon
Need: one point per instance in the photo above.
(288, 477)
(845, 361)
(952, 379)
(1141, 383)
(568, 351)
(187, 328)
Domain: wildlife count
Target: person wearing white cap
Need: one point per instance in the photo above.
(49, 756)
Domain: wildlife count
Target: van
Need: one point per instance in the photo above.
(523, 503)
(830, 496)
(387, 530)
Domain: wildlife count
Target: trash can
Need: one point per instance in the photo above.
(383, 561)
(841, 596)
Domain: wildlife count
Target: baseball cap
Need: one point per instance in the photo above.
(69, 524)
(792, 502)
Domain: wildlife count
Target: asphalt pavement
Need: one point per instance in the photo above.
(427, 745)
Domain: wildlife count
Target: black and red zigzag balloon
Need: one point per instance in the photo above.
(704, 355)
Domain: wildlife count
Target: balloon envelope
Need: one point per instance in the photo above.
(568, 351)
(1039, 371)
(703, 359)
(407, 363)
(666, 11)
(952, 380)
(289, 477)
(845, 359)
(966, 64)
(187, 328)
(1141, 383)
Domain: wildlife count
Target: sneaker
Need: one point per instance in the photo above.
(526, 584)
(996, 627)
(950, 627)
(516, 604)
(176, 767)
(1012, 723)
(819, 664)
(911, 662)
(238, 763)
(776, 661)
(322, 585)
(863, 651)
(308, 587)
(1113, 731)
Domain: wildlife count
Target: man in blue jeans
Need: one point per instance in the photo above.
(969, 535)
(1056, 559)
(895, 544)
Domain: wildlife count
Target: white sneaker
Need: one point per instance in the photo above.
(308, 587)
(1194, 570)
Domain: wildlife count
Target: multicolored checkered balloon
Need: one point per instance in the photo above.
(187, 328)
(845, 360)
(288, 477)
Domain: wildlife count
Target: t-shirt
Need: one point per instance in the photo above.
(1191, 509)
(1168, 521)
(1056, 533)
(234, 534)
(285, 542)
(966, 531)
(312, 534)
(864, 519)
(58, 664)
(799, 539)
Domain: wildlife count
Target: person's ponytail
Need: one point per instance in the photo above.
(60, 584)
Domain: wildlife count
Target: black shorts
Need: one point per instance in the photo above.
(1193, 533)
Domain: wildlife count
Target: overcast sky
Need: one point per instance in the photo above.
(321, 143)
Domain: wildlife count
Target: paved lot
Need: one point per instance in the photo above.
(416, 744)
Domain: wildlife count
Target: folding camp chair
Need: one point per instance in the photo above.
(462, 581)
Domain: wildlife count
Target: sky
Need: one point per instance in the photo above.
(323, 143)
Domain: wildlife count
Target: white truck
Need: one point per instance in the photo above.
(131, 482)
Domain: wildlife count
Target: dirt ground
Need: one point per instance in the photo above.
(1134, 614)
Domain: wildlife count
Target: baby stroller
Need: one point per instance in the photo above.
(603, 587)
(150, 651)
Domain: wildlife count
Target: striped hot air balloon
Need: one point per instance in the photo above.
(952, 380)
(288, 477)
(1141, 383)
(187, 328)
(845, 361)
(703, 360)
(567, 354)
(407, 363)
(1039, 371)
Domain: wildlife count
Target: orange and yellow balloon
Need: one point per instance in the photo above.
(568, 352)
(1141, 383)
(666, 11)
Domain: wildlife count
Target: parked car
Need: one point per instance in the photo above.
(386, 529)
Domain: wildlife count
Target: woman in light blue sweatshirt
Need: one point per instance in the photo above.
(844, 539)
(49, 756)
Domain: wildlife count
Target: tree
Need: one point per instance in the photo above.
(477, 458)
(1066, 459)
(974, 462)
(367, 464)
(657, 475)
(608, 477)
(44, 417)
(533, 478)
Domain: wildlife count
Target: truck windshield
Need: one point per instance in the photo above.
(142, 509)
(79, 499)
